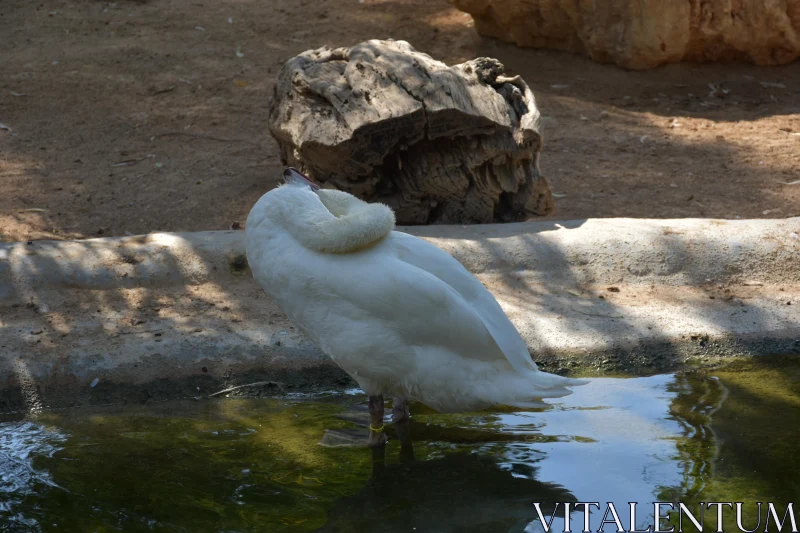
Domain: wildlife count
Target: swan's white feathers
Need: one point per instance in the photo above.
(398, 314)
(439, 263)
(356, 224)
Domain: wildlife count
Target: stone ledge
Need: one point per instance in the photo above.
(174, 315)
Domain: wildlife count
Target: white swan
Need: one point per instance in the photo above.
(398, 314)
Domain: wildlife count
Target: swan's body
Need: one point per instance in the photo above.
(398, 314)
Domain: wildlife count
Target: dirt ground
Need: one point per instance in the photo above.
(135, 116)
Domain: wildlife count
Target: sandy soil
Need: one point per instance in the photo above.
(135, 116)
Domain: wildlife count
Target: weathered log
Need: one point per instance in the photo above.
(438, 144)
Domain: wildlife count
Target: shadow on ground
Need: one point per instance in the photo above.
(131, 117)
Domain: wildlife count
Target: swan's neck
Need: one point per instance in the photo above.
(336, 222)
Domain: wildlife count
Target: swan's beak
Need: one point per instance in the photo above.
(295, 177)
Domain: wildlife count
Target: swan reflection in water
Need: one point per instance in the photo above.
(457, 492)
(613, 441)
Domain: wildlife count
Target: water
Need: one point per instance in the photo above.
(242, 465)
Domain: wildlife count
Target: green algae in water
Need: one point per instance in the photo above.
(740, 444)
(241, 465)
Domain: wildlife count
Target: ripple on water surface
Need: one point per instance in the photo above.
(256, 465)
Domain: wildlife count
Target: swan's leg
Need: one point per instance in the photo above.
(399, 409)
(400, 418)
(377, 437)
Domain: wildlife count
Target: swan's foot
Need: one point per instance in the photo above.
(377, 437)
(400, 410)
(378, 460)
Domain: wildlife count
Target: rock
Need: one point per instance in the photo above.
(438, 144)
(646, 33)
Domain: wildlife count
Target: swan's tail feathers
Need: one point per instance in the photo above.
(545, 380)
(530, 404)
(530, 390)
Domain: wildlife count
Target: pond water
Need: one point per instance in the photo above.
(256, 465)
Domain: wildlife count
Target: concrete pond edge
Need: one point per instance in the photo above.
(176, 315)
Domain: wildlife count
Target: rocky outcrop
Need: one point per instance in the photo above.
(645, 33)
(437, 143)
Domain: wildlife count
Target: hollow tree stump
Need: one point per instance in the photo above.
(438, 144)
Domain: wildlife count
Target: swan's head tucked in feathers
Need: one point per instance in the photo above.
(322, 220)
